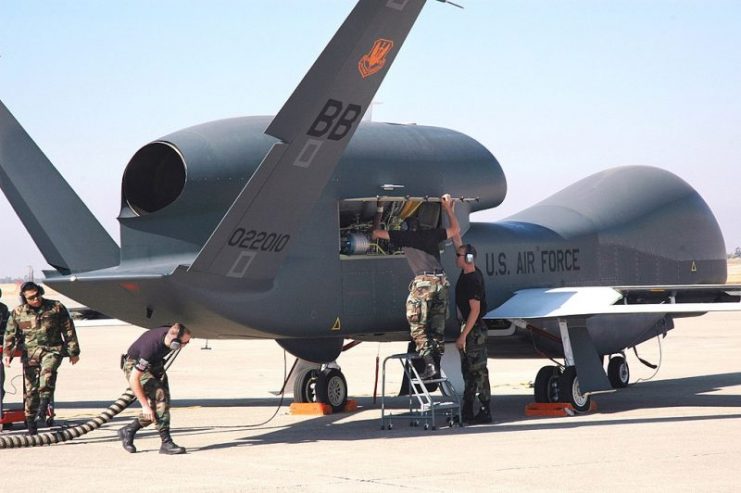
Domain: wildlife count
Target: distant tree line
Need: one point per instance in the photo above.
(10, 280)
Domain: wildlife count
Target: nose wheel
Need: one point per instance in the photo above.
(618, 372)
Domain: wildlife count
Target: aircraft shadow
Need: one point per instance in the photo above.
(508, 412)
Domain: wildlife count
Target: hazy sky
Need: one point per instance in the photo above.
(556, 90)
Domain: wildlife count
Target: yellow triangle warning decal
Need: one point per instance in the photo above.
(694, 267)
(337, 325)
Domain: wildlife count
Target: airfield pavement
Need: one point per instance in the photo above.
(734, 271)
(680, 431)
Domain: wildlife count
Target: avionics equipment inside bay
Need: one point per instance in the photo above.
(357, 217)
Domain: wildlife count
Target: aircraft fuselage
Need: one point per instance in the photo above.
(625, 226)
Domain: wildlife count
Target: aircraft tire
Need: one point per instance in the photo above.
(331, 388)
(304, 387)
(568, 389)
(546, 384)
(618, 372)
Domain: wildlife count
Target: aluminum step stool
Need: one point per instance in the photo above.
(423, 407)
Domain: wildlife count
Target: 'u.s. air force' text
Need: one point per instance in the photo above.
(533, 262)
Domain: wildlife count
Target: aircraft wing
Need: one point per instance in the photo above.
(584, 301)
(315, 126)
(579, 302)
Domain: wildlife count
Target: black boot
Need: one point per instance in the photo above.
(484, 415)
(40, 419)
(31, 426)
(467, 412)
(168, 446)
(126, 434)
(430, 368)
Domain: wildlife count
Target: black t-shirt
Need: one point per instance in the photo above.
(426, 242)
(470, 287)
(150, 350)
(4, 313)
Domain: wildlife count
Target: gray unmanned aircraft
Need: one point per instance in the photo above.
(261, 228)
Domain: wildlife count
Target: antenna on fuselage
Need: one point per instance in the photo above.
(451, 3)
(369, 113)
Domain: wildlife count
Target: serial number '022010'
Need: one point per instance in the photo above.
(258, 240)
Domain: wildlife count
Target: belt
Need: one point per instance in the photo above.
(438, 273)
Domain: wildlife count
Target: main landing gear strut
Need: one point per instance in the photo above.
(561, 384)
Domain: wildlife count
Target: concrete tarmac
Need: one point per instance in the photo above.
(678, 432)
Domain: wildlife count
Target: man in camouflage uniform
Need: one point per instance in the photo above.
(144, 368)
(4, 314)
(44, 332)
(427, 303)
(470, 300)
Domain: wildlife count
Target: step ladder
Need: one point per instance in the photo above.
(424, 408)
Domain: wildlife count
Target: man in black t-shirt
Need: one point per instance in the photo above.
(144, 368)
(470, 300)
(427, 303)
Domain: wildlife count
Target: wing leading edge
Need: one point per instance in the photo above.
(315, 126)
(584, 301)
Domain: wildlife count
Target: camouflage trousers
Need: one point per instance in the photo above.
(39, 378)
(427, 309)
(473, 366)
(157, 390)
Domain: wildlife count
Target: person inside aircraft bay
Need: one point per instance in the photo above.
(470, 301)
(3, 322)
(45, 333)
(427, 303)
(144, 367)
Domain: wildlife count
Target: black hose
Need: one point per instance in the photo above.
(59, 436)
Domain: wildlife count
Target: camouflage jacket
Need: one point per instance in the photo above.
(47, 328)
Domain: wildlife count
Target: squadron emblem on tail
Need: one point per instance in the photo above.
(375, 59)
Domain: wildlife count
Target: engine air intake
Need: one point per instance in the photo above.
(154, 178)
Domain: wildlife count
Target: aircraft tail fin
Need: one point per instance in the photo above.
(68, 235)
(315, 126)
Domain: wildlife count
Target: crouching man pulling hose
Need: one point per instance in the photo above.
(174, 343)
(144, 367)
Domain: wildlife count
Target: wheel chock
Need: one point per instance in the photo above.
(317, 408)
(554, 409)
